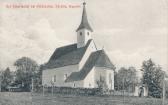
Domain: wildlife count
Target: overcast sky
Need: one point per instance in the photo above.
(130, 30)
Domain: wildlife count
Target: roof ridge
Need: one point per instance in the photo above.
(66, 45)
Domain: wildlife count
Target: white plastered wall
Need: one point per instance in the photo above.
(48, 75)
(89, 81)
(83, 39)
(105, 72)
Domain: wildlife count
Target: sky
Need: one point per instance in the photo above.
(130, 31)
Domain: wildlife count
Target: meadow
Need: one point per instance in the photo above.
(22, 98)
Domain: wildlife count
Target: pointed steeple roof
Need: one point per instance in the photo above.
(84, 22)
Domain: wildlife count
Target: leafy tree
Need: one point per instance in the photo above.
(126, 79)
(26, 70)
(6, 79)
(38, 78)
(152, 77)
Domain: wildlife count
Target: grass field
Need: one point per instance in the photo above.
(39, 99)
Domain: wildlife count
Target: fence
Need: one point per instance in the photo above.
(82, 91)
(74, 91)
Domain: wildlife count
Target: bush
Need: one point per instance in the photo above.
(73, 91)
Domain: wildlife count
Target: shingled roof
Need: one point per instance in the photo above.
(67, 55)
(98, 59)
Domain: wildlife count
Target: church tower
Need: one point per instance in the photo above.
(84, 30)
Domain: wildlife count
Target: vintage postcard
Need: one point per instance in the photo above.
(83, 52)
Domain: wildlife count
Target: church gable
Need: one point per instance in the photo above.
(104, 61)
(76, 76)
(98, 59)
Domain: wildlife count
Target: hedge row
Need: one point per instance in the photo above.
(74, 91)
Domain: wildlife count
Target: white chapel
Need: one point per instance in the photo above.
(79, 65)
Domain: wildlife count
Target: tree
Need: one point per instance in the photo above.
(6, 79)
(38, 78)
(26, 70)
(126, 79)
(152, 77)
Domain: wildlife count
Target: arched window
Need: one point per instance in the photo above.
(88, 33)
(80, 33)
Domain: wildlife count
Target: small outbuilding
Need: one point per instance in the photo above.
(141, 90)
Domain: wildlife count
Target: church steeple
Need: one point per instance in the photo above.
(84, 22)
(84, 30)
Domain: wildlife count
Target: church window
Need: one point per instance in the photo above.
(90, 85)
(80, 33)
(55, 78)
(110, 78)
(88, 33)
(65, 76)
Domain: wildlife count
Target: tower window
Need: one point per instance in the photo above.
(80, 33)
(88, 33)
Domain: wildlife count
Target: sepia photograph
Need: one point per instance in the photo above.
(81, 52)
